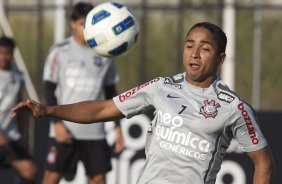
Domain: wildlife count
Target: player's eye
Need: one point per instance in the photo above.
(189, 46)
(205, 49)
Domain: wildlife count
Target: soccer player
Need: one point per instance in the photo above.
(12, 152)
(196, 117)
(72, 73)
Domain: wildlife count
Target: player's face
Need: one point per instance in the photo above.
(200, 58)
(77, 27)
(6, 56)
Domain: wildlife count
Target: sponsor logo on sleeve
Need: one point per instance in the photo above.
(225, 97)
(54, 65)
(168, 81)
(131, 92)
(209, 109)
(178, 78)
(249, 123)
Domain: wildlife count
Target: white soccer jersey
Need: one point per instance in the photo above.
(191, 130)
(10, 87)
(80, 75)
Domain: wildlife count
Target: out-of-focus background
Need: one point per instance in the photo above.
(254, 35)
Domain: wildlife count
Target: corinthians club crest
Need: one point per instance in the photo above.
(209, 110)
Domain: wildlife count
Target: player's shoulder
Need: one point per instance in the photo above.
(228, 96)
(15, 70)
(225, 94)
(61, 46)
(17, 74)
(175, 81)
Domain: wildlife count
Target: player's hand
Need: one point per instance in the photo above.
(119, 145)
(35, 108)
(62, 135)
(3, 140)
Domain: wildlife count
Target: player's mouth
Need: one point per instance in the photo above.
(194, 66)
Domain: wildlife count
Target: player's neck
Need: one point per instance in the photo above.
(5, 67)
(201, 84)
(79, 40)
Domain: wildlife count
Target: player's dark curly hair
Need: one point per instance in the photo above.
(219, 35)
(80, 10)
(7, 42)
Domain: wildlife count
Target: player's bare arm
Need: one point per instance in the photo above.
(82, 112)
(264, 166)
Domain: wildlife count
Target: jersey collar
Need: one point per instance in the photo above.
(210, 89)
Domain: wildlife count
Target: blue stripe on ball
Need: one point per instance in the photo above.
(119, 50)
(124, 25)
(100, 16)
(91, 43)
(129, 22)
(117, 5)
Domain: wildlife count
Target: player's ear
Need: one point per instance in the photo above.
(221, 57)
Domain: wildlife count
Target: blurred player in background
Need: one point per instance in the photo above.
(196, 117)
(73, 73)
(12, 151)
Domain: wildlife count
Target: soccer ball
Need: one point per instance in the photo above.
(110, 29)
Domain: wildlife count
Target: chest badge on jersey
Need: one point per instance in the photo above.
(209, 109)
(98, 61)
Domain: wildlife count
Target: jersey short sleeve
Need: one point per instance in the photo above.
(51, 67)
(246, 129)
(112, 76)
(138, 99)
